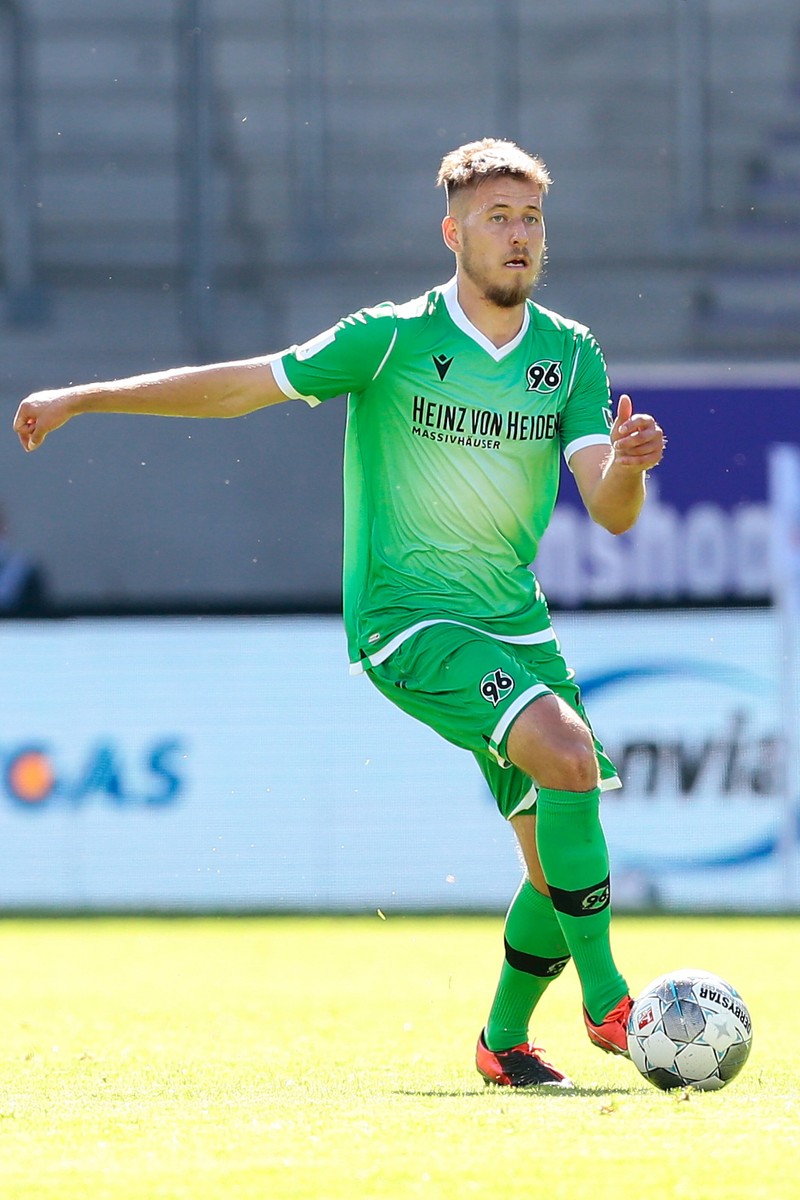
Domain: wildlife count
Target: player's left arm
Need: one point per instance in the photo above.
(612, 481)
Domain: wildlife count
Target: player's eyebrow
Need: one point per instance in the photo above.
(527, 207)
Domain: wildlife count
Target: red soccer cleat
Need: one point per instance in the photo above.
(611, 1034)
(520, 1067)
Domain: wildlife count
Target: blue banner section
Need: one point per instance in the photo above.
(233, 764)
(704, 534)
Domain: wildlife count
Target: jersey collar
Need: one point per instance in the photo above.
(460, 318)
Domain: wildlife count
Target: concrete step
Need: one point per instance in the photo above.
(53, 17)
(776, 196)
(744, 310)
(108, 332)
(81, 250)
(107, 58)
(757, 296)
(67, 116)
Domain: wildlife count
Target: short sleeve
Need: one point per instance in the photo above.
(345, 358)
(586, 419)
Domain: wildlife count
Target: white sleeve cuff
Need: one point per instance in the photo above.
(282, 380)
(591, 439)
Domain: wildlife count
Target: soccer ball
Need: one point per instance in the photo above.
(689, 1029)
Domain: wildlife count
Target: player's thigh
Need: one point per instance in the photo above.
(549, 665)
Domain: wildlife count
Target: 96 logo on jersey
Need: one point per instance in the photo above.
(544, 376)
(495, 686)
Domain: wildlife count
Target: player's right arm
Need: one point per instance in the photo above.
(229, 389)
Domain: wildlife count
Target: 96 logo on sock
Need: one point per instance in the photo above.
(496, 686)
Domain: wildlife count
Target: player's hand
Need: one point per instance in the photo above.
(636, 439)
(39, 415)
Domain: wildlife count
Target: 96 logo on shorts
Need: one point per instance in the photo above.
(496, 686)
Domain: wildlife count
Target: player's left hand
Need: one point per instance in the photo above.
(637, 441)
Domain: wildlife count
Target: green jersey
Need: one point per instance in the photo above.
(452, 460)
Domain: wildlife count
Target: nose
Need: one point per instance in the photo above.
(519, 233)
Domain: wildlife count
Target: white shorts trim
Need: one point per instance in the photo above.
(520, 639)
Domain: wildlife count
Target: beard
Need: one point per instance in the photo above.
(504, 295)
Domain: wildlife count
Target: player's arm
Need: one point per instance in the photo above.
(223, 390)
(612, 481)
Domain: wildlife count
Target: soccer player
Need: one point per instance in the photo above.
(460, 405)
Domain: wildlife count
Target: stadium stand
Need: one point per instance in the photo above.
(327, 126)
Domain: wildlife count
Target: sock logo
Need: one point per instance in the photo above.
(495, 686)
(582, 902)
(597, 899)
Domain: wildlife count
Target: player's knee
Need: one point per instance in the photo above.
(574, 767)
(583, 768)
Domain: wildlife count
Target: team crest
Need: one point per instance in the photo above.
(544, 376)
(496, 686)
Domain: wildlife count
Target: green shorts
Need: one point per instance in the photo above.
(469, 687)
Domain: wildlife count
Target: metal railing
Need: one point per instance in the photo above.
(24, 302)
(196, 167)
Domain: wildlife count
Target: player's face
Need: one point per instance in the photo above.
(499, 231)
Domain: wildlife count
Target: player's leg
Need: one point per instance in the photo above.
(535, 950)
(437, 678)
(551, 742)
(476, 693)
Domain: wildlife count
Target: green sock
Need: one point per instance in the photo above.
(574, 857)
(536, 954)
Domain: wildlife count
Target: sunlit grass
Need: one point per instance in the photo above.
(328, 1058)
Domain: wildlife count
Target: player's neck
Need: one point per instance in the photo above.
(499, 325)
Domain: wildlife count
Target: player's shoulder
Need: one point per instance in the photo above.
(420, 307)
(546, 320)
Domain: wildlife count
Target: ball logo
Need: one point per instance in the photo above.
(645, 1018)
(544, 376)
(597, 899)
(496, 686)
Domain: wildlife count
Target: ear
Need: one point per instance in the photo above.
(450, 233)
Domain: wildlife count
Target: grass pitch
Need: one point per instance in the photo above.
(258, 1059)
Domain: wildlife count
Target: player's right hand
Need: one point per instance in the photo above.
(39, 415)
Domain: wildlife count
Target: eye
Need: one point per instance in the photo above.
(498, 218)
(532, 219)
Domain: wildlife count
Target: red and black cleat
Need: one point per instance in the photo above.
(611, 1034)
(520, 1067)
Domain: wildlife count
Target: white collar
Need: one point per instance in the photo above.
(460, 318)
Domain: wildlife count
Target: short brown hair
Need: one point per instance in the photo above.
(470, 164)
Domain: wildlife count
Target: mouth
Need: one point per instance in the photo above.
(518, 263)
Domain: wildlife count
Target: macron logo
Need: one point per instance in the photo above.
(442, 364)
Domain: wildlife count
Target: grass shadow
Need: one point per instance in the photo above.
(460, 1093)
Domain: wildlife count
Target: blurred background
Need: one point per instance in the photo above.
(184, 181)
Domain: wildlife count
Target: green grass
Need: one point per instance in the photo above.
(332, 1058)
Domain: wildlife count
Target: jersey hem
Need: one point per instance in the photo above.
(517, 639)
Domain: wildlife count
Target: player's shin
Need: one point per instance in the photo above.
(574, 857)
(535, 954)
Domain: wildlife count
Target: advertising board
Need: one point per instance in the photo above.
(704, 534)
(231, 764)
